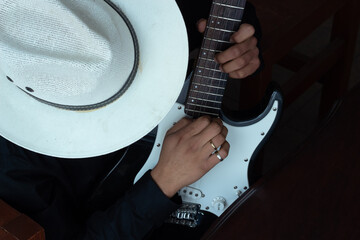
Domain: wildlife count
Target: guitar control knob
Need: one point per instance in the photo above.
(219, 203)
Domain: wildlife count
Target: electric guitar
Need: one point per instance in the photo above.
(221, 186)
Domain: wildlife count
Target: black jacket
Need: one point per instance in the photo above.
(68, 197)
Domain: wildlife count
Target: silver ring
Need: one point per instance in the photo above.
(218, 156)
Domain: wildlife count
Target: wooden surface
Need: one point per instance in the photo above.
(17, 226)
(315, 196)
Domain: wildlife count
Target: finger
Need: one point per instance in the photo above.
(236, 50)
(201, 25)
(240, 62)
(216, 142)
(179, 125)
(246, 71)
(245, 31)
(213, 129)
(223, 153)
(195, 127)
(218, 120)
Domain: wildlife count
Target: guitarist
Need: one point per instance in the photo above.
(55, 192)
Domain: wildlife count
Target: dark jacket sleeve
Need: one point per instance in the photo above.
(44, 188)
(132, 217)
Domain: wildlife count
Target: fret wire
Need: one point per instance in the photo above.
(222, 30)
(204, 97)
(204, 106)
(216, 91)
(204, 85)
(225, 18)
(207, 59)
(202, 109)
(212, 50)
(230, 6)
(205, 77)
(216, 40)
(209, 90)
(213, 94)
(232, 2)
(218, 79)
(202, 112)
(207, 103)
(210, 69)
(208, 65)
(218, 29)
(214, 101)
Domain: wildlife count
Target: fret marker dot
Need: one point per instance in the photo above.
(192, 100)
(204, 53)
(212, 21)
(218, 22)
(199, 71)
(196, 86)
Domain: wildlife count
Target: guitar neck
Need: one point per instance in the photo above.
(208, 82)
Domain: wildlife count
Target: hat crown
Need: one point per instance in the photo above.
(158, 55)
(71, 53)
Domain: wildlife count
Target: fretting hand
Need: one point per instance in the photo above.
(241, 59)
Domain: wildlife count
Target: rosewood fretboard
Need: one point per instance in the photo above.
(208, 82)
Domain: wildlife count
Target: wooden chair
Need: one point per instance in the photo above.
(17, 226)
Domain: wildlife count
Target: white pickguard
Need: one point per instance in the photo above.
(223, 184)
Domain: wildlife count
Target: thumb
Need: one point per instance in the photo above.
(201, 24)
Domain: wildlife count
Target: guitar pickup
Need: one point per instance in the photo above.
(187, 215)
(190, 192)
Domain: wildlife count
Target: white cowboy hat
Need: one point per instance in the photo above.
(87, 77)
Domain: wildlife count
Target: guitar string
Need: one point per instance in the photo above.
(204, 79)
(217, 66)
(210, 60)
(230, 25)
(220, 35)
(224, 24)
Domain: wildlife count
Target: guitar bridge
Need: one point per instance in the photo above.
(187, 215)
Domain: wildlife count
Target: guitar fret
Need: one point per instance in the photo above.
(204, 85)
(209, 82)
(218, 79)
(204, 106)
(216, 40)
(230, 6)
(210, 69)
(207, 59)
(214, 101)
(212, 50)
(202, 112)
(222, 30)
(225, 18)
(213, 94)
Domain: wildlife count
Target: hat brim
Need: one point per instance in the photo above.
(163, 49)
